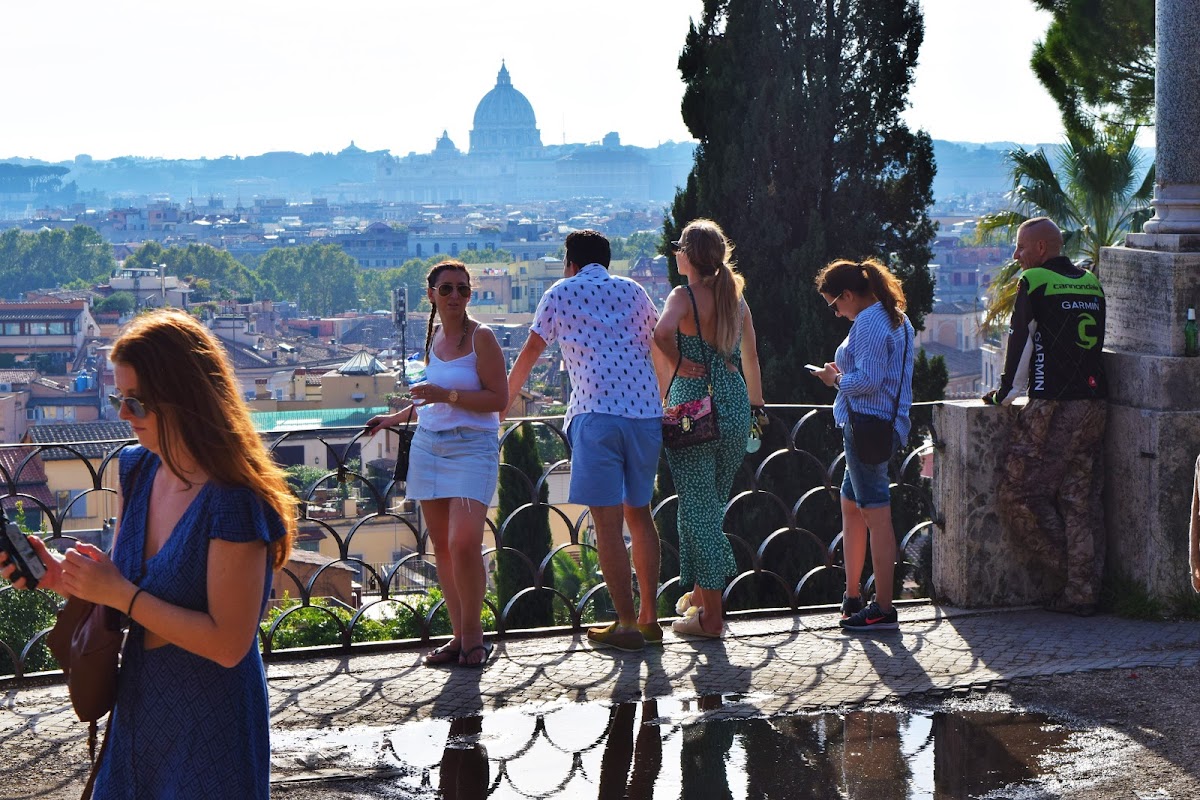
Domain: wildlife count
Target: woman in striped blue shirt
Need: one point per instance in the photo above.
(872, 372)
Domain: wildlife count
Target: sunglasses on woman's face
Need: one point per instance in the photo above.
(444, 289)
(132, 403)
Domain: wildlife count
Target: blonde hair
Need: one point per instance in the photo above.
(185, 377)
(863, 278)
(710, 253)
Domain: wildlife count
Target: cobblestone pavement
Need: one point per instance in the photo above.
(787, 664)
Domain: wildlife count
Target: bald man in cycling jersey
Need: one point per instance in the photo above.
(1053, 471)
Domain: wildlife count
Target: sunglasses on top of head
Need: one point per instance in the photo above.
(444, 289)
(676, 247)
(134, 405)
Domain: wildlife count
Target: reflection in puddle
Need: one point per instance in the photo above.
(672, 749)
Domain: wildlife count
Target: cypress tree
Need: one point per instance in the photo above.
(527, 532)
(803, 158)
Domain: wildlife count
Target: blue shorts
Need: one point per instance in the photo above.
(614, 459)
(865, 485)
(460, 462)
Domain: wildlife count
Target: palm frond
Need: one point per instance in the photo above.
(1002, 294)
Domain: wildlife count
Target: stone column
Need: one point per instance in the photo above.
(1177, 101)
(1154, 398)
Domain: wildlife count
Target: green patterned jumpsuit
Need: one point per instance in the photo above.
(704, 473)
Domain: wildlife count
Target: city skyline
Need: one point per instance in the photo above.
(392, 76)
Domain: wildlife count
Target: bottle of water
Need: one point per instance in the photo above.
(1191, 344)
(414, 373)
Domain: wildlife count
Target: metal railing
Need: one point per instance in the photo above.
(783, 521)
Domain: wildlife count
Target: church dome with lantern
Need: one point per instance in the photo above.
(504, 121)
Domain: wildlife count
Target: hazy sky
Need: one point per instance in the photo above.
(241, 78)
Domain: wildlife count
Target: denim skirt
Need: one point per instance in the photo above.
(459, 462)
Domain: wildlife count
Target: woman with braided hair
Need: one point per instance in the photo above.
(455, 453)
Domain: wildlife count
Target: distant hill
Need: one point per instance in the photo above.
(968, 168)
(963, 169)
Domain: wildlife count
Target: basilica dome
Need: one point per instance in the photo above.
(504, 121)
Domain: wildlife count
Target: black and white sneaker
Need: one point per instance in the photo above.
(851, 605)
(872, 618)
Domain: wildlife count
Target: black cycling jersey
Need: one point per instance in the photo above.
(1057, 335)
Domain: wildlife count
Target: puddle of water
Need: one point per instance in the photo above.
(688, 749)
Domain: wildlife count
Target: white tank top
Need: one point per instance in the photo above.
(461, 374)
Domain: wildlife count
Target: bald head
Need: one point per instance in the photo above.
(1038, 241)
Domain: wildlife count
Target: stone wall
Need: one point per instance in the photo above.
(976, 561)
(1149, 465)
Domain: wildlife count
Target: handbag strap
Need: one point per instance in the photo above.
(700, 336)
(903, 363)
(97, 758)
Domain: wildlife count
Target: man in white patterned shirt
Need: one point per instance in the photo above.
(604, 325)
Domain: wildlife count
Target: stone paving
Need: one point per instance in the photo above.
(786, 664)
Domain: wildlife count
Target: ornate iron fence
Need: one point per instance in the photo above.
(783, 521)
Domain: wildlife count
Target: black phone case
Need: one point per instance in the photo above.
(21, 554)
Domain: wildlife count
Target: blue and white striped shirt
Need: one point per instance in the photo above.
(869, 359)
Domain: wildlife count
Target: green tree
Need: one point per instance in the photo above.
(302, 476)
(322, 278)
(23, 615)
(1097, 62)
(375, 286)
(1097, 194)
(804, 158)
(148, 256)
(118, 302)
(930, 377)
(528, 532)
(51, 258)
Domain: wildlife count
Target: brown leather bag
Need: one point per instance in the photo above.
(86, 642)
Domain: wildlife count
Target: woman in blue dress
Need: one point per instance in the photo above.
(206, 518)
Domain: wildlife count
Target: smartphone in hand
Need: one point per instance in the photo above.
(20, 553)
(813, 368)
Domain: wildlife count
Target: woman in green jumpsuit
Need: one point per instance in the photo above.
(720, 351)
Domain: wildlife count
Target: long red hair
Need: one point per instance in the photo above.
(186, 378)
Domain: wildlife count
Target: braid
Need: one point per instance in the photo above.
(429, 332)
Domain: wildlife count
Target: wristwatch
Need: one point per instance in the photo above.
(453, 396)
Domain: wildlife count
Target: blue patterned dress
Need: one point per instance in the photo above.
(184, 726)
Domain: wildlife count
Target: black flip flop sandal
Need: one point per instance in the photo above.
(466, 654)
